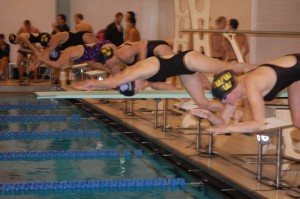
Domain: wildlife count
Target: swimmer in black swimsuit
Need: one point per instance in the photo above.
(259, 85)
(27, 39)
(79, 53)
(184, 64)
(64, 40)
(131, 52)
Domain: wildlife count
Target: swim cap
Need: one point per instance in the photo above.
(12, 38)
(44, 39)
(54, 55)
(127, 89)
(223, 84)
(105, 54)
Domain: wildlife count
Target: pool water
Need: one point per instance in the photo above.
(146, 166)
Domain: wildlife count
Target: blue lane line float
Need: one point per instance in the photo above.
(70, 154)
(36, 118)
(75, 118)
(93, 184)
(34, 106)
(41, 135)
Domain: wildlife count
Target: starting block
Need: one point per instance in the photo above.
(96, 73)
(277, 125)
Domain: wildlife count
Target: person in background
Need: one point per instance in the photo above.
(217, 39)
(4, 57)
(241, 40)
(60, 25)
(81, 25)
(114, 31)
(132, 33)
(101, 35)
(26, 28)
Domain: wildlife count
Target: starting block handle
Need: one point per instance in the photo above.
(83, 65)
(236, 49)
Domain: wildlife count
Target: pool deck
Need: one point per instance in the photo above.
(228, 164)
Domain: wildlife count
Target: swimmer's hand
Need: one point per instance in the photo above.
(201, 113)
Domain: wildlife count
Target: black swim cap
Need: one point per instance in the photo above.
(223, 84)
(127, 89)
(12, 38)
(54, 55)
(105, 54)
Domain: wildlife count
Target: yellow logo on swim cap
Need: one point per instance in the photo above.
(227, 76)
(227, 86)
(108, 53)
(224, 78)
(218, 83)
(44, 38)
(103, 50)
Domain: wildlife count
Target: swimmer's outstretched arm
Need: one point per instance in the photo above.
(64, 58)
(98, 66)
(141, 70)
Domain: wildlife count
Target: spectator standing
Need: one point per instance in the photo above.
(81, 25)
(217, 39)
(114, 31)
(60, 25)
(132, 33)
(4, 57)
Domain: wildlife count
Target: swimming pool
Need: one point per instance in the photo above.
(76, 169)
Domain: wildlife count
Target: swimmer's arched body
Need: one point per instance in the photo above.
(184, 64)
(78, 54)
(259, 85)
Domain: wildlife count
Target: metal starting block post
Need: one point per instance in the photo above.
(273, 124)
(209, 152)
(82, 67)
(96, 73)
